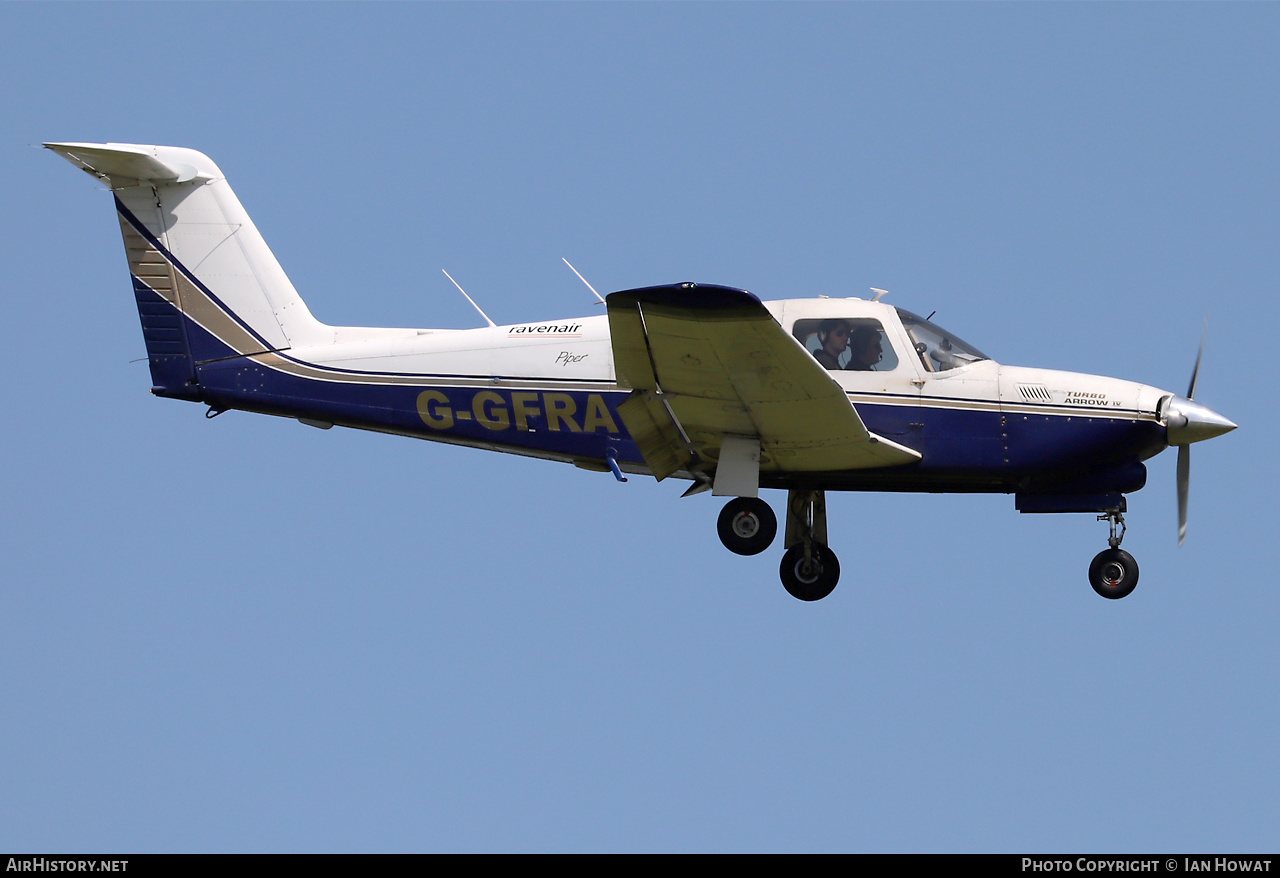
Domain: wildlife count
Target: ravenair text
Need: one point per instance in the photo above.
(545, 330)
(525, 410)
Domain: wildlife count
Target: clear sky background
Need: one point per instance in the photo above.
(249, 635)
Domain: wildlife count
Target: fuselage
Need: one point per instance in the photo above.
(548, 389)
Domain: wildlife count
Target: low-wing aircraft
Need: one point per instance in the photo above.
(691, 381)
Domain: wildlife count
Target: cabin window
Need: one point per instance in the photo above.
(938, 349)
(847, 344)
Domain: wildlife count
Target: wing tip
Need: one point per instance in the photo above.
(688, 295)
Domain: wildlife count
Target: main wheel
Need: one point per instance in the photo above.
(810, 581)
(747, 525)
(1113, 573)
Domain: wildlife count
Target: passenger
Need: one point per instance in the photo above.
(834, 336)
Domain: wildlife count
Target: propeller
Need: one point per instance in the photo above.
(1184, 484)
(1184, 451)
(1195, 371)
(1188, 421)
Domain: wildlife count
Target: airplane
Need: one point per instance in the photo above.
(691, 381)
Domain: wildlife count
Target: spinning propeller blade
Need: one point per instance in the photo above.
(1195, 372)
(1184, 482)
(1184, 451)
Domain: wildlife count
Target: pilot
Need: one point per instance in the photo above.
(834, 335)
(864, 343)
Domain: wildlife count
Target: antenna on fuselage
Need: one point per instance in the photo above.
(584, 280)
(879, 294)
(469, 299)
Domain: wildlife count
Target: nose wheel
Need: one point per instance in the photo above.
(1113, 573)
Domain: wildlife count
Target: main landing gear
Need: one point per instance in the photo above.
(809, 569)
(747, 526)
(1113, 573)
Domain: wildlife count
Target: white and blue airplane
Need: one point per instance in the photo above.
(691, 381)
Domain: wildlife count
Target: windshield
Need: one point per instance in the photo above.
(939, 350)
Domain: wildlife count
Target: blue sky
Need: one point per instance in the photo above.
(248, 635)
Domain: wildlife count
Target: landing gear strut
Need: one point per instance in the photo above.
(1113, 573)
(747, 525)
(809, 569)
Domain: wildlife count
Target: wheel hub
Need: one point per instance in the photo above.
(808, 571)
(746, 525)
(1113, 574)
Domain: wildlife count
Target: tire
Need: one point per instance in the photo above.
(1113, 574)
(747, 526)
(814, 583)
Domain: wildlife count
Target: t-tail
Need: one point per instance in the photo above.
(207, 286)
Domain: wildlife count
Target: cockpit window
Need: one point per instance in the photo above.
(939, 350)
(847, 344)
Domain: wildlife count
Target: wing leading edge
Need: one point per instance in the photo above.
(705, 362)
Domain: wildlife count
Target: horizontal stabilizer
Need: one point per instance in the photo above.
(123, 164)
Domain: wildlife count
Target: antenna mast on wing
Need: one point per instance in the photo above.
(583, 279)
(469, 299)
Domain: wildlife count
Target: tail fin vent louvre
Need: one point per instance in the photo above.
(146, 263)
(155, 287)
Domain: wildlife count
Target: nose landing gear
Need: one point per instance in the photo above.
(1113, 573)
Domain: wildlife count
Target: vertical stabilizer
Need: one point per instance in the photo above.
(206, 283)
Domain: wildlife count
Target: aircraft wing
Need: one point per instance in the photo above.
(705, 362)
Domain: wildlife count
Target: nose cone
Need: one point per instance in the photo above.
(1188, 421)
